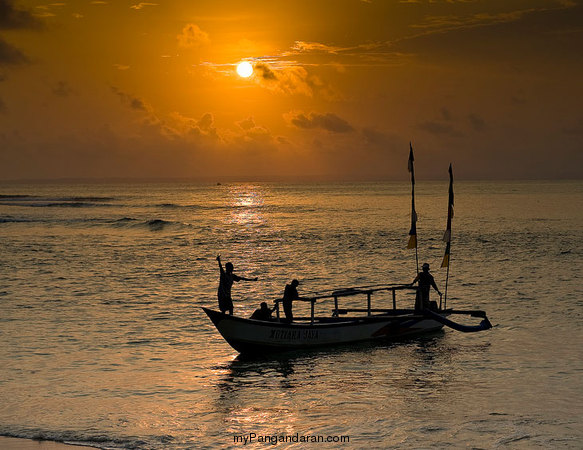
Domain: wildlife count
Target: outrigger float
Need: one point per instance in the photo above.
(351, 325)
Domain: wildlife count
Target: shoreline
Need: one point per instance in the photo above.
(13, 443)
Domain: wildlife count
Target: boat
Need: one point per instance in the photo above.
(351, 325)
(343, 326)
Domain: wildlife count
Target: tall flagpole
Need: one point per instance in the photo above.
(413, 231)
(447, 234)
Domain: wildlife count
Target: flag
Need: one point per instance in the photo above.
(413, 231)
(447, 234)
(410, 164)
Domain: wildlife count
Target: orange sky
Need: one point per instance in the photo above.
(101, 89)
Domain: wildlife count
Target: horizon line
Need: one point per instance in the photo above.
(254, 179)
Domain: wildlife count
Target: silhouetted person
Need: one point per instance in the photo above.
(225, 283)
(289, 295)
(425, 280)
(263, 313)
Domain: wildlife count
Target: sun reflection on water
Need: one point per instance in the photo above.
(246, 202)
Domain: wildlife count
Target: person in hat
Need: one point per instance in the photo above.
(225, 283)
(289, 295)
(426, 281)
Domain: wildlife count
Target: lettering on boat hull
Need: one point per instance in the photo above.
(277, 334)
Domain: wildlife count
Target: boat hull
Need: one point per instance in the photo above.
(254, 336)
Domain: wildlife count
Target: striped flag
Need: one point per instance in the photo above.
(413, 231)
(447, 234)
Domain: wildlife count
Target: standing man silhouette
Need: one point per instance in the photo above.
(426, 281)
(225, 283)
(289, 295)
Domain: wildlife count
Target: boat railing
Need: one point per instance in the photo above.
(348, 292)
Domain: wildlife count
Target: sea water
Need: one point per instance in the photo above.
(103, 341)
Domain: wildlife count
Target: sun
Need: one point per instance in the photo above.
(244, 69)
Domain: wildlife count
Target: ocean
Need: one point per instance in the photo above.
(103, 341)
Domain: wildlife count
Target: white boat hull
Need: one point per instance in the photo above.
(254, 336)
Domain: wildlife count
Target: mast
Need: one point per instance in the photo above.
(413, 231)
(447, 234)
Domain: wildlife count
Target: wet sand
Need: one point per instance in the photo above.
(9, 443)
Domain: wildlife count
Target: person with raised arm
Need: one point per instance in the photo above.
(225, 283)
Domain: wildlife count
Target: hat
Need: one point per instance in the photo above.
(294, 281)
(425, 266)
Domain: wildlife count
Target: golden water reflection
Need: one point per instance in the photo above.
(245, 204)
(270, 395)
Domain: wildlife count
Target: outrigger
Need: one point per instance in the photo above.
(350, 325)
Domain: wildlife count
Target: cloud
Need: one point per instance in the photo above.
(16, 19)
(319, 54)
(518, 99)
(142, 5)
(254, 132)
(446, 114)
(264, 71)
(575, 130)
(206, 125)
(328, 121)
(192, 36)
(62, 89)
(185, 127)
(379, 139)
(476, 122)
(131, 101)
(293, 79)
(453, 22)
(45, 10)
(246, 124)
(540, 22)
(302, 46)
(10, 55)
(435, 127)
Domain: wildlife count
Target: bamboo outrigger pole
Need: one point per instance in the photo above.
(447, 234)
(413, 231)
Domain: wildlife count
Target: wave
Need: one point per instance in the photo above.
(91, 198)
(157, 224)
(59, 202)
(151, 224)
(10, 219)
(124, 222)
(80, 438)
(39, 201)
